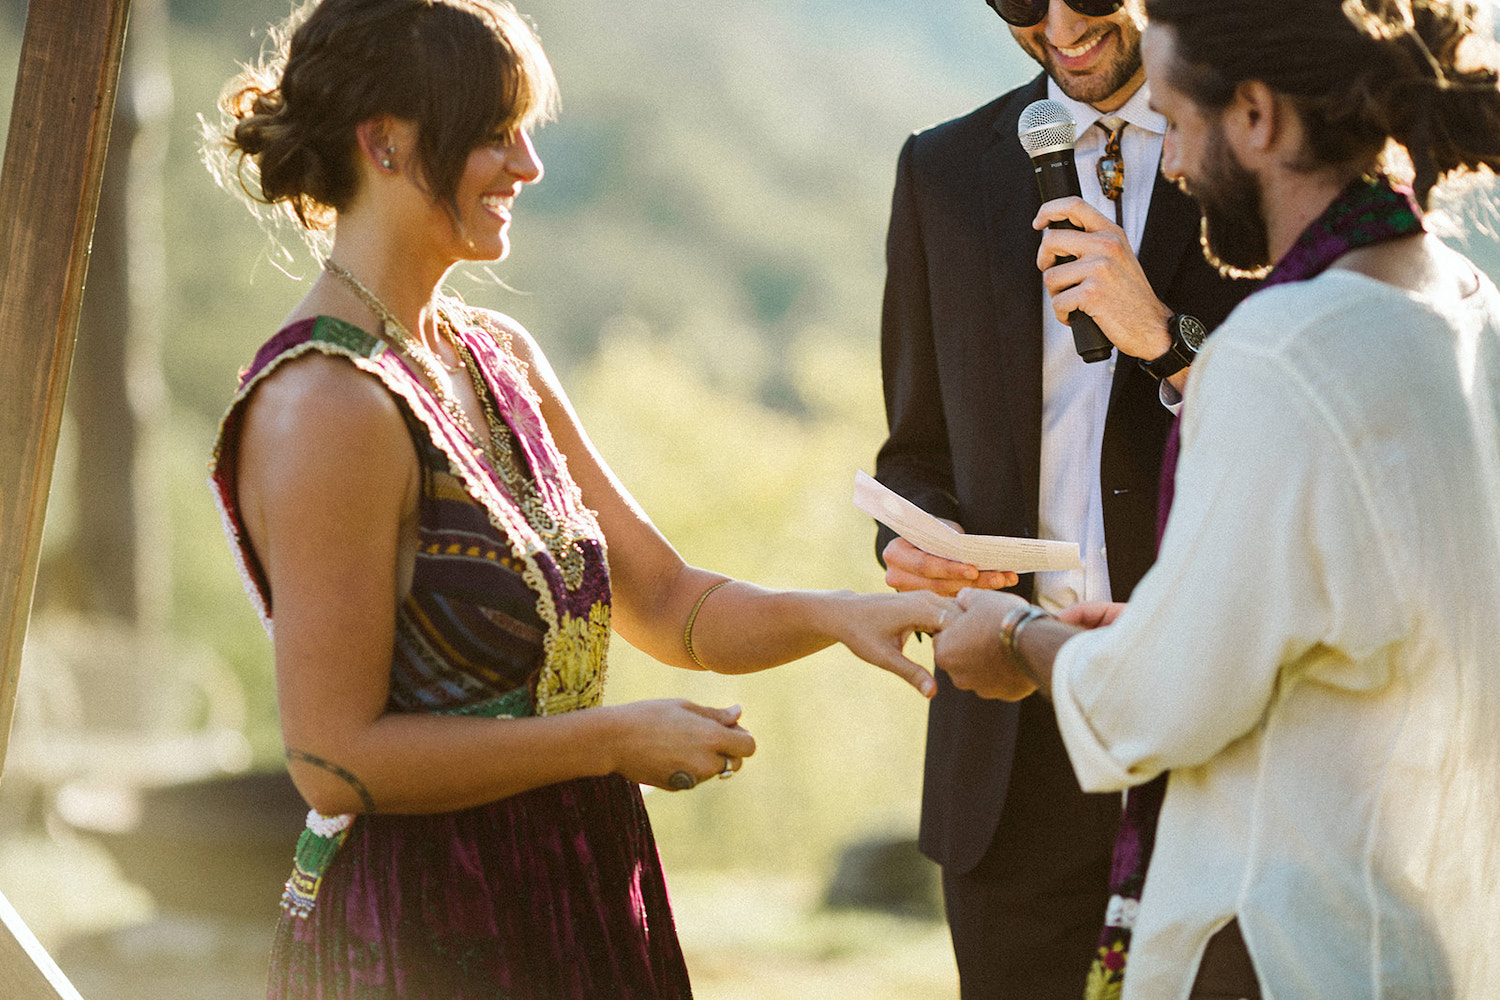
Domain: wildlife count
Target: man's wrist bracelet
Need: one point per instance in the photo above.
(1015, 620)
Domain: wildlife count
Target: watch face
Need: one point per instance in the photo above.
(1192, 331)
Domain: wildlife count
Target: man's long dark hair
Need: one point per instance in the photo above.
(1360, 72)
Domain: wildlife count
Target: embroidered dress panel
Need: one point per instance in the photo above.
(468, 631)
(529, 514)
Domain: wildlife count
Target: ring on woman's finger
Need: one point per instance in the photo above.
(942, 619)
(728, 771)
(681, 781)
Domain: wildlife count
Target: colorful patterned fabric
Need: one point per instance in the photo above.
(1368, 211)
(556, 893)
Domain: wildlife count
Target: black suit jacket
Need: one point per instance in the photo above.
(962, 360)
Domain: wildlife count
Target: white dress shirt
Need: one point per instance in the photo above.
(1315, 656)
(1075, 394)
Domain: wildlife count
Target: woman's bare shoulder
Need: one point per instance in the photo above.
(326, 403)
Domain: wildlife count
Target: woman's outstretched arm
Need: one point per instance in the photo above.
(740, 627)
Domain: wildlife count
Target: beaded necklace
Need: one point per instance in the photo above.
(560, 537)
(395, 333)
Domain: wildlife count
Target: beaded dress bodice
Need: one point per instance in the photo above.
(508, 610)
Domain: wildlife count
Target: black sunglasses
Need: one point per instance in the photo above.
(1025, 13)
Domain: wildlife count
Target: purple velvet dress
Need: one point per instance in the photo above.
(554, 894)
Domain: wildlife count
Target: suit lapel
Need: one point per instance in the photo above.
(1010, 203)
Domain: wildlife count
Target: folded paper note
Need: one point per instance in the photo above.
(1019, 555)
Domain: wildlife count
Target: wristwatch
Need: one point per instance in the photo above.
(1187, 336)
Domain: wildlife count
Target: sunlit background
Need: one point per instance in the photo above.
(702, 263)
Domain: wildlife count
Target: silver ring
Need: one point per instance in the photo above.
(942, 619)
(681, 781)
(728, 771)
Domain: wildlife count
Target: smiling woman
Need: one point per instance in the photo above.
(444, 554)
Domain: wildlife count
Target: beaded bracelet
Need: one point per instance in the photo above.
(1016, 619)
(687, 633)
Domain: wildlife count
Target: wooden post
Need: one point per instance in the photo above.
(49, 190)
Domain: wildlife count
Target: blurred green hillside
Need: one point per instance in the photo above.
(702, 262)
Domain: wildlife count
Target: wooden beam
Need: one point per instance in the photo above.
(49, 191)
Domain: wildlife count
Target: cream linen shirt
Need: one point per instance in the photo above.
(1316, 654)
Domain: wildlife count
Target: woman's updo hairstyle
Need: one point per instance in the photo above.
(1360, 72)
(464, 71)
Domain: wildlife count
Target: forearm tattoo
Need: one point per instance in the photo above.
(365, 798)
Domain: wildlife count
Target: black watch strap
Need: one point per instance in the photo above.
(1187, 334)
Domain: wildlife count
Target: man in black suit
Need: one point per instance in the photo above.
(999, 427)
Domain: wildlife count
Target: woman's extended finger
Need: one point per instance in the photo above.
(910, 671)
(735, 742)
(947, 609)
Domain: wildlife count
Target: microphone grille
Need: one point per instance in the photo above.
(1046, 127)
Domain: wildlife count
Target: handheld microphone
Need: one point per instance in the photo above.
(1047, 132)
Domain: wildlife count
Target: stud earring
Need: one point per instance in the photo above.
(385, 161)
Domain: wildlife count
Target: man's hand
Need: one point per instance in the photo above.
(1106, 281)
(1092, 614)
(969, 648)
(909, 568)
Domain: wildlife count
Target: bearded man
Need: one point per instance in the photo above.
(1314, 659)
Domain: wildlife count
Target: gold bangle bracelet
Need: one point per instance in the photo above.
(687, 633)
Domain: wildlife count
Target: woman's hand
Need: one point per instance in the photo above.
(654, 740)
(876, 627)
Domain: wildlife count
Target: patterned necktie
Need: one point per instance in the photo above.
(1111, 166)
(1368, 211)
